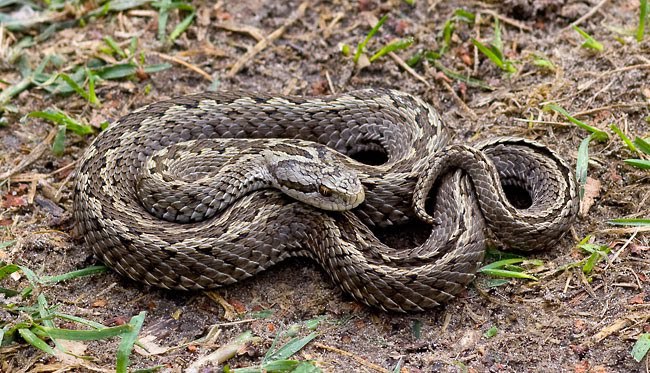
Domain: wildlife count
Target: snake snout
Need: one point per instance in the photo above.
(340, 193)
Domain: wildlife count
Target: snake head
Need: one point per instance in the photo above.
(318, 181)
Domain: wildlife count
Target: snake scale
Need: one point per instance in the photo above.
(205, 190)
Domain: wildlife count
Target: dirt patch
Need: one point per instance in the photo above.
(567, 321)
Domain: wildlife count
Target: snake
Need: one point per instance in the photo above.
(205, 190)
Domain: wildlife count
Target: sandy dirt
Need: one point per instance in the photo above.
(566, 321)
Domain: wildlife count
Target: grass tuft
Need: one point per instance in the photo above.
(599, 135)
(590, 42)
(491, 332)
(597, 253)
(361, 46)
(507, 268)
(39, 326)
(277, 359)
(391, 47)
(495, 51)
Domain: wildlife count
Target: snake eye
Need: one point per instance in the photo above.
(324, 191)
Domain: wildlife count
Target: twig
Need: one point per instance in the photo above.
(507, 19)
(459, 101)
(237, 66)
(562, 124)
(586, 16)
(35, 154)
(330, 26)
(229, 312)
(618, 252)
(329, 82)
(609, 107)
(194, 68)
(408, 68)
(254, 32)
(625, 230)
(353, 356)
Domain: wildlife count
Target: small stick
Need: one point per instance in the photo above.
(253, 32)
(194, 68)
(34, 155)
(459, 101)
(353, 356)
(585, 17)
(329, 82)
(262, 44)
(408, 68)
(609, 107)
(507, 19)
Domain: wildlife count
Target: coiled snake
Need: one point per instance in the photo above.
(205, 190)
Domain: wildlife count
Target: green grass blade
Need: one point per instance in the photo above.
(643, 164)
(465, 16)
(641, 222)
(372, 33)
(460, 77)
(8, 292)
(6, 244)
(128, 340)
(280, 366)
(61, 118)
(43, 311)
(74, 85)
(391, 47)
(496, 39)
(118, 71)
(491, 332)
(88, 271)
(92, 96)
(8, 93)
(83, 335)
(642, 145)
(7, 270)
(489, 53)
(33, 340)
(447, 32)
(623, 137)
(79, 320)
(31, 276)
(643, 15)
(641, 347)
(181, 27)
(508, 274)
(502, 263)
(582, 164)
(590, 263)
(150, 69)
(543, 62)
(114, 47)
(58, 145)
(590, 42)
(599, 135)
(291, 347)
(163, 16)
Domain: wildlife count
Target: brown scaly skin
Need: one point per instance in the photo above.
(265, 226)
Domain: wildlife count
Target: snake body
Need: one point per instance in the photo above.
(205, 190)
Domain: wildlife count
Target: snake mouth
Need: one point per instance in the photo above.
(358, 199)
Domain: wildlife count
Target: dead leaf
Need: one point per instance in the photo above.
(99, 303)
(637, 299)
(11, 200)
(592, 190)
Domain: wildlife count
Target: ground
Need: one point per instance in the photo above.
(568, 320)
